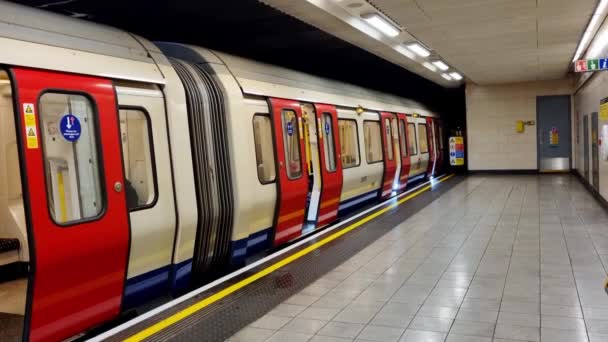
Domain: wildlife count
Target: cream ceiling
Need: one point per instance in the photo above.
(489, 41)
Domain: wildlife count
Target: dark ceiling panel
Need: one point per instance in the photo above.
(254, 30)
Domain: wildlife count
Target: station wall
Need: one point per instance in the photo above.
(492, 113)
(586, 101)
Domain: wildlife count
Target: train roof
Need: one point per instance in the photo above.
(36, 38)
(263, 79)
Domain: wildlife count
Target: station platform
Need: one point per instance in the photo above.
(476, 258)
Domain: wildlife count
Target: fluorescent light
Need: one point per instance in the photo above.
(446, 76)
(441, 65)
(429, 66)
(456, 76)
(381, 24)
(407, 53)
(591, 27)
(419, 49)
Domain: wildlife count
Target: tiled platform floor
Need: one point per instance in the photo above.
(497, 258)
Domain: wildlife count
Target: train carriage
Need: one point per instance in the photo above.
(132, 170)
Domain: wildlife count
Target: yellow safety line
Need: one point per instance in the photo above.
(61, 191)
(153, 329)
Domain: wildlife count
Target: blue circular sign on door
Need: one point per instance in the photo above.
(289, 128)
(70, 127)
(327, 127)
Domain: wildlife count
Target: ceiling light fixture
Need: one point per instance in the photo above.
(419, 49)
(429, 66)
(591, 27)
(456, 76)
(381, 24)
(446, 76)
(441, 65)
(407, 53)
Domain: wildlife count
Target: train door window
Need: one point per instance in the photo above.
(136, 141)
(373, 141)
(423, 137)
(389, 139)
(264, 152)
(349, 143)
(412, 142)
(440, 137)
(291, 140)
(328, 143)
(72, 165)
(402, 145)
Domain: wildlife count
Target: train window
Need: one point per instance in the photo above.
(349, 143)
(373, 141)
(412, 142)
(440, 137)
(291, 140)
(71, 160)
(389, 139)
(136, 141)
(328, 143)
(422, 135)
(402, 145)
(264, 151)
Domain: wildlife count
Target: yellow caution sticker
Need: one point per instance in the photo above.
(29, 119)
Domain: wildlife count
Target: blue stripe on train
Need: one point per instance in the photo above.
(254, 243)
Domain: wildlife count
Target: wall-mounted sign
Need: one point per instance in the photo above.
(587, 65)
(456, 151)
(70, 127)
(553, 136)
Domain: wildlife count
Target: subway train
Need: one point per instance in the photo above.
(132, 170)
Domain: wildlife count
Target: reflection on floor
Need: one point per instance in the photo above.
(497, 258)
(12, 307)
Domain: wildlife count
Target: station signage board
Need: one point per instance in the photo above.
(589, 65)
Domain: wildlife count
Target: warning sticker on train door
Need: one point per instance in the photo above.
(29, 120)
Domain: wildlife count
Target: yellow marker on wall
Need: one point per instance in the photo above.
(61, 190)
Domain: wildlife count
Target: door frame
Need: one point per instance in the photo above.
(538, 157)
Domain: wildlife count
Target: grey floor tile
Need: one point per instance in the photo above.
(521, 319)
(304, 326)
(341, 329)
(514, 332)
(287, 310)
(319, 338)
(431, 324)
(438, 311)
(561, 311)
(477, 315)
(283, 336)
(380, 333)
(520, 307)
(470, 328)
(250, 334)
(557, 335)
(412, 335)
(593, 337)
(356, 314)
(598, 326)
(563, 323)
(270, 322)
(324, 314)
(465, 338)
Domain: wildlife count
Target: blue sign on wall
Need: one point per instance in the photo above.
(290, 128)
(70, 127)
(603, 63)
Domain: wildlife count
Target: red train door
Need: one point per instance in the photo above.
(439, 144)
(331, 163)
(403, 147)
(430, 123)
(292, 189)
(76, 208)
(390, 164)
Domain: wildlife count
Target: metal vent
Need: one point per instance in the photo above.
(211, 161)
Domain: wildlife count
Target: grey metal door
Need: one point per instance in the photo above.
(553, 117)
(595, 160)
(586, 147)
